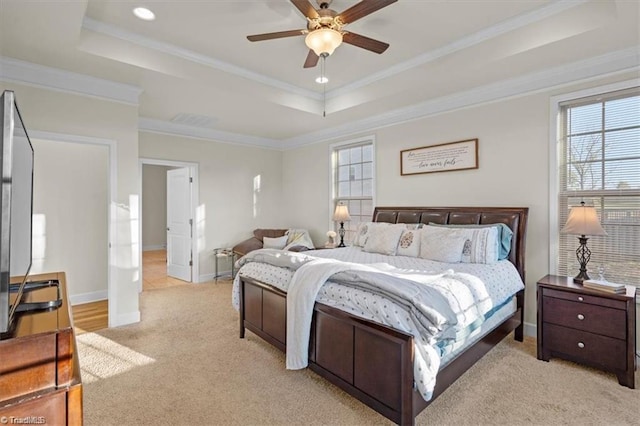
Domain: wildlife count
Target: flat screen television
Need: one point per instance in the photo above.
(16, 168)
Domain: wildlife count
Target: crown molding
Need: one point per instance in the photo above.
(581, 71)
(28, 73)
(170, 128)
(478, 37)
(189, 55)
(63, 137)
(55, 79)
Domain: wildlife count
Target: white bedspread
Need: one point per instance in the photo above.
(488, 287)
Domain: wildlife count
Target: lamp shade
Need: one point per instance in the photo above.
(323, 40)
(583, 220)
(341, 214)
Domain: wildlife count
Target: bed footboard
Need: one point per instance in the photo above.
(370, 361)
(263, 310)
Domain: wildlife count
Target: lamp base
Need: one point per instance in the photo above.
(341, 231)
(583, 254)
(581, 277)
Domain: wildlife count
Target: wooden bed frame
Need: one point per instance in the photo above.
(370, 361)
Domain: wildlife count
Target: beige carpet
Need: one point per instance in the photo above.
(184, 364)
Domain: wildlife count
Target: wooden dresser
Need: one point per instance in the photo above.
(39, 368)
(587, 326)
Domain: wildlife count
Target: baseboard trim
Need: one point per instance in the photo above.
(530, 329)
(154, 247)
(96, 296)
(124, 319)
(206, 277)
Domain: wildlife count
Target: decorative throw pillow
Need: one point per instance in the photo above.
(409, 244)
(411, 226)
(260, 233)
(383, 239)
(505, 234)
(441, 244)
(362, 233)
(481, 245)
(275, 243)
(298, 237)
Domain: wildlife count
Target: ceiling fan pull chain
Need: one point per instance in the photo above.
(324, 85)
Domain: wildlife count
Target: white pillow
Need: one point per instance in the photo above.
(441, 244)
(384, 239)
(413, 226)
(361, 230)
(409, 244)
(275, 243)
(481, 245)
(362, 233)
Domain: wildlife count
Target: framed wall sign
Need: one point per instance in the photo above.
(444, 157)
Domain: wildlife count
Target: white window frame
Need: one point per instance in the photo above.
(370, 139)
(554, 155)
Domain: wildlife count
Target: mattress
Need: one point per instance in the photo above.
(451, 351)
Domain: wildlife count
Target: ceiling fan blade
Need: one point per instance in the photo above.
(306, 8)
(365, 42)
(312, 59)
(362, 9)
(279, 34)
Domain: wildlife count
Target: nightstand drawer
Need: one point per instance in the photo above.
(586, 347)
(586, 298)
(582, 316)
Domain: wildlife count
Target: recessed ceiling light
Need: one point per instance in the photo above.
(322, 80)
(144, 13)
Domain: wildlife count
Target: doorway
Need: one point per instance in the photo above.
(110, 145)
(168, 257)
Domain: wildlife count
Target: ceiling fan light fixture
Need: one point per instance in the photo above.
(322, 79)
(323, 41)
(144, 13)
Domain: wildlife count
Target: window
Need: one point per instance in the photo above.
(599, 163)
(353, 172)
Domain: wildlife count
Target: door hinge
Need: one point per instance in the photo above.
(191, 263)
(191, 222)
(190, 180)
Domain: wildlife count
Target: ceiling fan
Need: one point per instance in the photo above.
(325, 31)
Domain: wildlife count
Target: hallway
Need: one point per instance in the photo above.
(154, 271)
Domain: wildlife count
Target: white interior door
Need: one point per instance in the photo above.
(179, 224)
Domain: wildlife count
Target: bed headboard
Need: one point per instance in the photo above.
(514, 217)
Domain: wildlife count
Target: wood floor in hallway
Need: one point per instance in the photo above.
(95, 315)
(154, 271)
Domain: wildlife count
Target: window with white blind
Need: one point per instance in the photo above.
(353, 171)
(599, 163)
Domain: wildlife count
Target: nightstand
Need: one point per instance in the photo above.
(587, 326)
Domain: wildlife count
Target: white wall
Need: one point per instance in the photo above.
(70, 202)
(513, 170)
(69, 114)
(229, 206)
(154, 206)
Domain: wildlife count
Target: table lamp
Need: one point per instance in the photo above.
(583, 220)
(341, 215)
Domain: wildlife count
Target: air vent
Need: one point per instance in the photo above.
(194, 120)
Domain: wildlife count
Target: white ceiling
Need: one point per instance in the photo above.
(195, 58)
